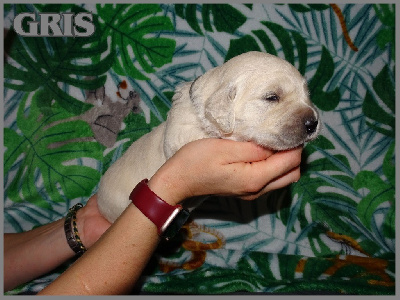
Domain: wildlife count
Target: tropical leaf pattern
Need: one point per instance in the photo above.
(45, 66)
(331, 232)
(128, 25)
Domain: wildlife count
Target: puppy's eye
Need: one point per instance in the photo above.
(272, 97)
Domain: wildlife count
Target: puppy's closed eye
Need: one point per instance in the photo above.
(272, 97)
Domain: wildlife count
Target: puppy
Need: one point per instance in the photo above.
(254, 97)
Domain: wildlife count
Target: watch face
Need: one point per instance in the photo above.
(176, 224)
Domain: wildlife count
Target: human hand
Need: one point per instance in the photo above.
(224, 167)
(90, 222)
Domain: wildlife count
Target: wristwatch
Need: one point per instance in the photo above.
(168, 218)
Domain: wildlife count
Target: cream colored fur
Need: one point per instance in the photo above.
(252, 97)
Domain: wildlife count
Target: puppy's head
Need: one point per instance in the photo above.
(256, 97)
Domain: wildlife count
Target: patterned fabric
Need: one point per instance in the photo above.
(331, 232)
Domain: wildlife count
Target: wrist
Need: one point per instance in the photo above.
(167, 188)
(87, 235)
(167, 218)
(91, 224)
(81, 215)
(71, 230)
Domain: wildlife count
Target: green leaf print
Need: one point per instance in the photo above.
(324, 100)
(50, 65)
(284, 38)
(291, 241)
(135, 31)
(302, 8)
(34, 153)
(292, 44)
(386, 36)
(225, 17)
(322, 207)
(384, 119)
(379, 192)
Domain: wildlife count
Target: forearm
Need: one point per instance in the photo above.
(31, 254)
(114, 263)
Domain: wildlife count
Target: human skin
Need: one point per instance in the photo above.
(118, 253)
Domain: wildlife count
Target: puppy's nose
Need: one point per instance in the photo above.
(311, 125)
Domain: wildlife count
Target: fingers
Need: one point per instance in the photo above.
(282, 181)
(278, 183)
(277, 171)
(245, 152)
(279, 164)
(225, 167)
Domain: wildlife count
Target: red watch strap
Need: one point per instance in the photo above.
(153, 207)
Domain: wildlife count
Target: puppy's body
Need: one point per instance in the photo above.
(145, 156)
(253, 97)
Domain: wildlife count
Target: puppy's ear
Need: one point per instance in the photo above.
(219, 109)
(213, 101)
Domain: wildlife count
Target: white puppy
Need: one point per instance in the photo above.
(252, 97)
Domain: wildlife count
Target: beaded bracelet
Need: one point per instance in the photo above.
(71, 230)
